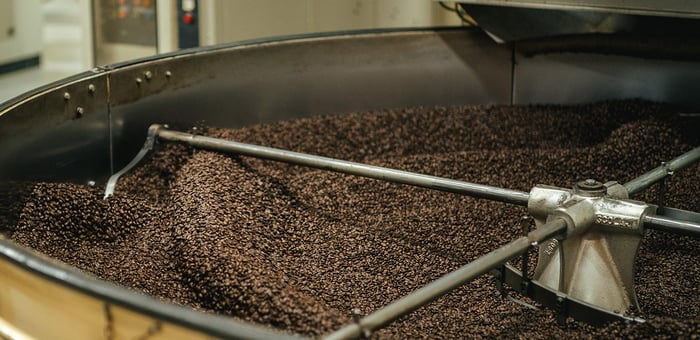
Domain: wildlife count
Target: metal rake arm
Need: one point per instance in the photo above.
(332, 164)
(447, 283)
(672, 225)
(156, 131)
(644, 181)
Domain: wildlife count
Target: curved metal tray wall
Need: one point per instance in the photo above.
(271, 81)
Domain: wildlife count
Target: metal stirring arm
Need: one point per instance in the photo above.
(324, 163)
(157, 131)
(562, 217)
(644, 181)
(409, 303)
(671, 220)
(151, 137)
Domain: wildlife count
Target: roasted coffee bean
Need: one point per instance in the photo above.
(299, 249)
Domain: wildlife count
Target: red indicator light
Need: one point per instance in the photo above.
(188, 18)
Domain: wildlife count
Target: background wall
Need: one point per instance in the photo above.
(225, 21)
(24, 40)
(66, 35)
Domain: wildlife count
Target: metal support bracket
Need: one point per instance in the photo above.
(594, 262)
(548, 297)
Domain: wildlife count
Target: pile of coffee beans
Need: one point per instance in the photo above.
(299, 249)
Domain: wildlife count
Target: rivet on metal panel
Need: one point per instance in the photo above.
(148, 75)
(168, 74)
(91, 89)
(79, 112)
(66, 96)
(139, 80)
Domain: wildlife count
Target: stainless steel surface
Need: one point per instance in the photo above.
(332, 164)
(594, 264)
(407, 304)
(588, 77)
(515, 23)
(674, 8)
(644, 181)
(42, 136)
(672, 225)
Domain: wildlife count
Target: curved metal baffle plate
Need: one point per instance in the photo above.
(595, 262)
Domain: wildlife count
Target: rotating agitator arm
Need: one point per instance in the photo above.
(561, 215)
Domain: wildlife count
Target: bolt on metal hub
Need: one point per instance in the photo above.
(590, 187)
(589, 184)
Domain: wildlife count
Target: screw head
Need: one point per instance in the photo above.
(91, 88)
(79, 111)
(66, 95)
(139, 80)
(168, 74)
(148, 75)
